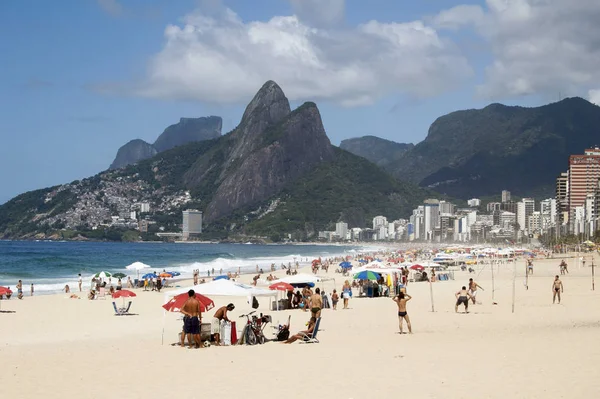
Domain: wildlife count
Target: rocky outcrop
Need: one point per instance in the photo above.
(283, 153)
(189, 130)
(377, 150)
(133, 152)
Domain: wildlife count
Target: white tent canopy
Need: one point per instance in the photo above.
(301, 279)
(137, 266)
(223, 288)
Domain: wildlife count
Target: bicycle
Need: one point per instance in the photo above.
(253, 330)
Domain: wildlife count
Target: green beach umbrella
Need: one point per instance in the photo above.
(103, 275)
(367, 275)
(119, 275)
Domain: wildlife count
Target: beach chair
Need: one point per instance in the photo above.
(121, 311)
(312, 338)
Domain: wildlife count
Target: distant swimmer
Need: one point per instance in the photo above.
(557, 288)
(401, 300)
(473, 289)
(462, 298)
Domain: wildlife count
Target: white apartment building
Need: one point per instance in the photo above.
(341, 230)
(379, 221)
(474, 202)
(192, 222)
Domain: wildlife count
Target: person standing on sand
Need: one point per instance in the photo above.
(316, 303)
(529, 266)
(79, 281)
(557, 288)
(401, 300)
(334, 299)
(473, 290)
(31, 289)
(346, 293)
(20, 289)
(192, 317)
(462, 298)
(220, 314)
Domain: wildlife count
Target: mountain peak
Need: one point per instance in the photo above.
(269, 104)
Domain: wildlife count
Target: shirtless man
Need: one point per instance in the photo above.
(473, 290)
(220, 314)
(401, 300)
(316, 303)
(462, 298)
(557, 288)
(20, 289)
(192, 317)
(79, 281)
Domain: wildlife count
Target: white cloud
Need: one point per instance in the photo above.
(594, 96)
(539, 46)
(319, 12)
(224, 59)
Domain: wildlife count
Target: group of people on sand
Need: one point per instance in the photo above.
(20, 294)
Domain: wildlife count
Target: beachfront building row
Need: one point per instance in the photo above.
(578, 195)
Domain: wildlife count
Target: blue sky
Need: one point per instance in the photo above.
(80, 78)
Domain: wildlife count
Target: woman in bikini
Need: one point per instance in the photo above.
(401, 300)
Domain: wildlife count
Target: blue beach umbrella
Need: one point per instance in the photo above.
(174, 274)
(363, 261)
(367, 275)
(222, 277)
(149, 275)
(346, 265)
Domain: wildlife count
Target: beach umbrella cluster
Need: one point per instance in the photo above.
(367, 275)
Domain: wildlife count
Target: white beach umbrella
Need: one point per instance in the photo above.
(137, 266)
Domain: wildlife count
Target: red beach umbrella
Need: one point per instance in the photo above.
(175, 304)
(417, 267)
(281, 286)
(4, 291)
(123, 294)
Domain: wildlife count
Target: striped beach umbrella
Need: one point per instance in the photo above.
(103, 275)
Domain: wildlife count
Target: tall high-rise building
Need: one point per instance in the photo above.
(505, 196)
(431, 217)
(584, 172)
(379, 221)
(341, 230)
(562, 197)
(525, 209)
(192, 223)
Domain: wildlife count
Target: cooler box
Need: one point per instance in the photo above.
(225, 333)
(205, 331)
(233, 333)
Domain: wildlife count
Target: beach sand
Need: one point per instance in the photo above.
(54, 347)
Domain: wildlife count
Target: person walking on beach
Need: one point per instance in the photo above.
(192, 317)
(334, 299)
(473, 290)
(79, 281)
(31, 289)
(401, 300)
(220, 315)
(346, 293)
(557, 288)
(316, 303)
(529, 266)
(462, 298)
(563, 267)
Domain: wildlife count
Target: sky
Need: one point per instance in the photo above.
(80, 78)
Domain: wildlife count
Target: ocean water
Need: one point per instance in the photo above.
(51, 265)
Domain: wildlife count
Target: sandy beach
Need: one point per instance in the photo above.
(56, 347)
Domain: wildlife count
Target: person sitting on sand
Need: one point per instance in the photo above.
(302, 334)
(220, 314)
(557, 288)
(73, 296)
(91, 295)
(462, 297)
(192, 317)
(401, 300)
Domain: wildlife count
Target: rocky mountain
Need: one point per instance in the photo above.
(188, 130)
(377, 150)
(273, 175)
(132, 152)
(478, 152)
